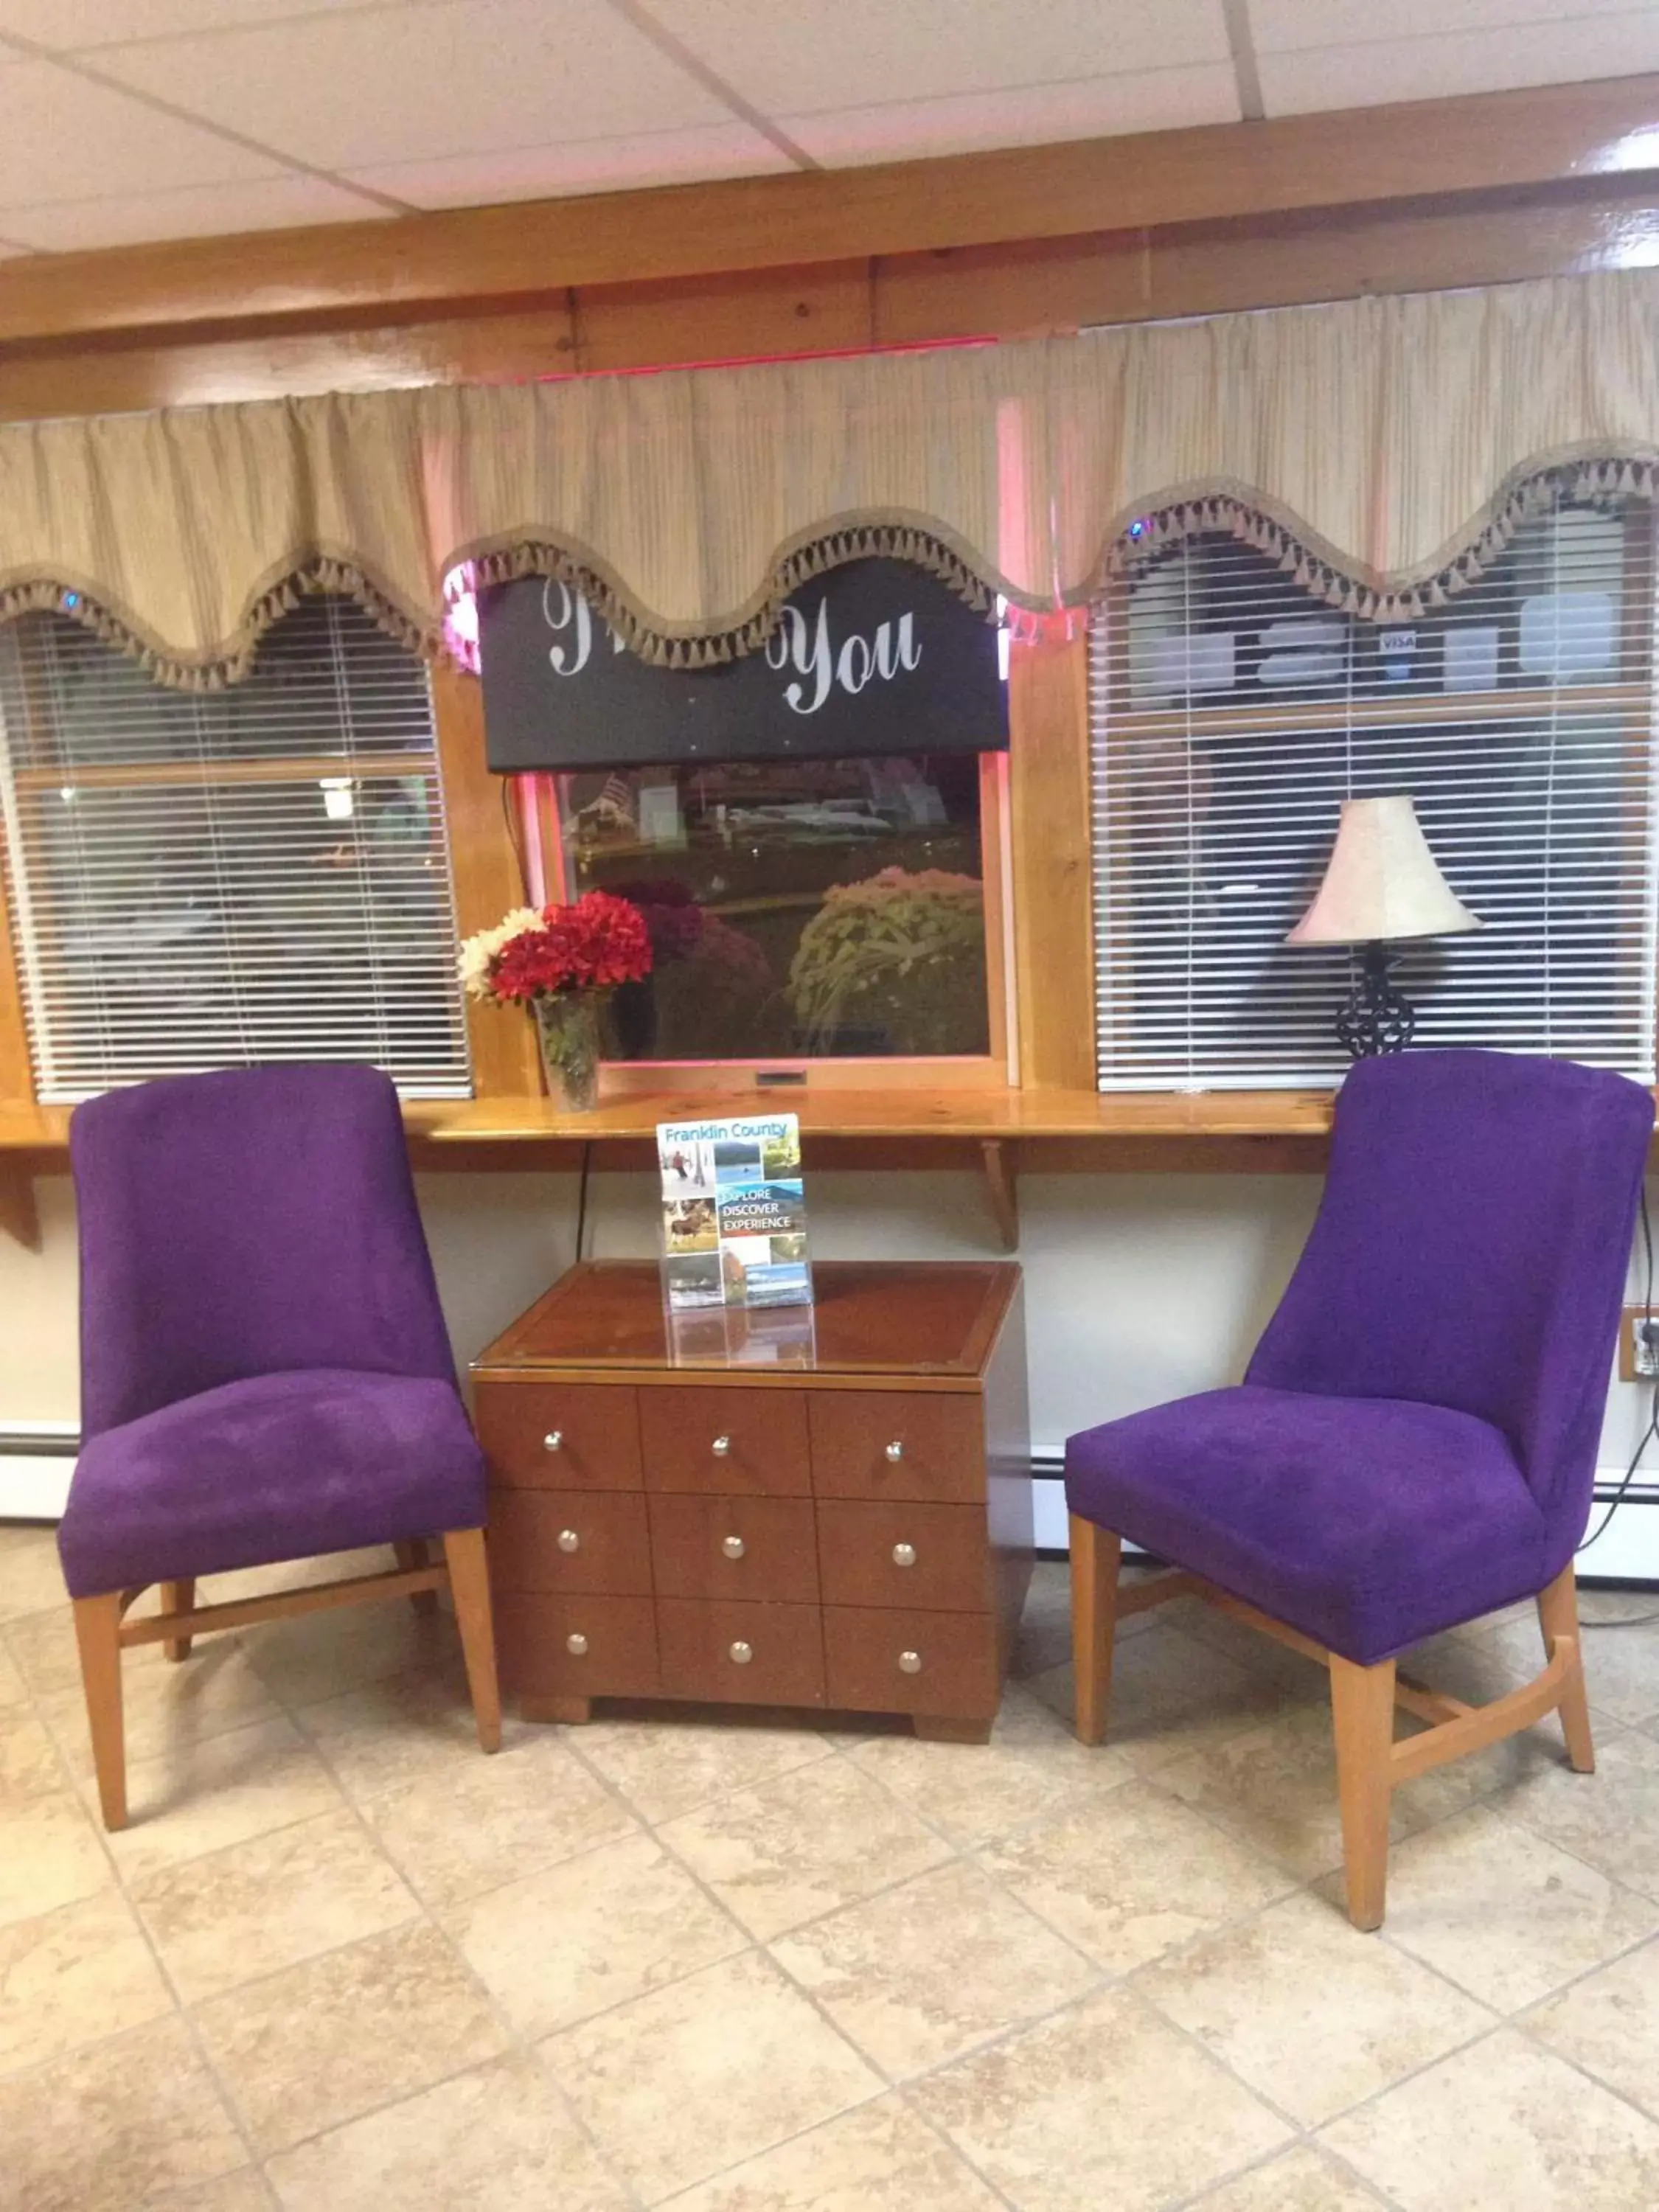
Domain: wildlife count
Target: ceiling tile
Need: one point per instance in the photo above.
(418, 82)
(811, 56)
(586, 165)
(1384, 70)
(63, 138)
(1030, 115)
(1287, 25)
(199, 211)
(63, 24)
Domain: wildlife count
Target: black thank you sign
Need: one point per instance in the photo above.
(877, 657)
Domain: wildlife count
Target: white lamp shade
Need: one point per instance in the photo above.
(1381, 881)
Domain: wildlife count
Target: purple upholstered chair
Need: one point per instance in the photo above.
(1414, 1441)
(264, 1373)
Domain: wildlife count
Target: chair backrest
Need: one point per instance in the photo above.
(1471, 1251)
(244, 1223)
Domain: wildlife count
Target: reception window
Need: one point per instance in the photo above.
(798, 909)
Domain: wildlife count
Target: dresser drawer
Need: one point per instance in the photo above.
(570, 1539)
(878, 1660)
(735, 1547)
(733, 1443)
(738, 1654)
(560, 1436)
(898, 1445)
(935, 1557)
(586, 1647)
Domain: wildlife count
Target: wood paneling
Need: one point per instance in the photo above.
(560, 1435)
(488, 879)
(572, 1540)
(1048, 710)
(730, 317)
(729, 1442)
(891, 1446)
(528, 254)
(736, 1547)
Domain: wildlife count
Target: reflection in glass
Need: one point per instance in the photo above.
(824, 908)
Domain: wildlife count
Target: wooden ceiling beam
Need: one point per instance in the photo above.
(457, 261)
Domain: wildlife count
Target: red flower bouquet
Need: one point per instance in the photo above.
(559, 962)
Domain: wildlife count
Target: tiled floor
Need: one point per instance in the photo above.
(341, 1962)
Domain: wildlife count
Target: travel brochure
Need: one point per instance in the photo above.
(734, 1213)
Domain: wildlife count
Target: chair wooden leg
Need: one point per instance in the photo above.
(1097, 1557)
(417, 1553)
(1558, 1616)
(1362, 1715)
(469, 1584)
(178, 1597)
(97, 1632)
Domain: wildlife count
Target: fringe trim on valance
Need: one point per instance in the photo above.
(660, 648)
(1582, 481)
(323, 574)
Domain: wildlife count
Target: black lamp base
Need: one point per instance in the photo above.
(1376, 1019)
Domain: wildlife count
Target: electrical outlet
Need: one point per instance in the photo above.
(1638, 1346)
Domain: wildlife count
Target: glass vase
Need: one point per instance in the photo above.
(567, 1029)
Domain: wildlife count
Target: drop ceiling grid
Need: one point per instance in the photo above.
(122, 120)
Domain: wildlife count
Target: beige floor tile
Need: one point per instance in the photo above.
(692, 2079)
(1504, 2124)
(1275, 1789)
(235, 1915)
(1302, 1680)
(1107, 2105)
(1172, 1694)
(929, 1971)
(29, 1764)
(233, 2192)
(579, 1937)
(666, 1767)
(1504, 1914)
(1032, 1768)
(500, 2139)
(73, 1977)
(295, 1574)
(877, 2157)
(50, 1856)
(323, 1655)
(1608, 2023)
(1610, 1818)
(415, 1724)
(31, 1578)
(1127, 1879)
(802, 1844)
(1309, 2014)
(321, 2043)
(201, 1797)
(44, 1650)
(114, 2126)
(163, 1707)
(1300, 2180)
(473, 1826)
(13, 1688)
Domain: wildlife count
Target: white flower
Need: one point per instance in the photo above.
(479, 952)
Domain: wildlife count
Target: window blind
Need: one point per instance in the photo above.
(257, 874)
(1232, 712)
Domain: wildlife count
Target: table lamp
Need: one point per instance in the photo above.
(1382, 884)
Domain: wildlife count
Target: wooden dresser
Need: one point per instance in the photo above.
(828, 1507)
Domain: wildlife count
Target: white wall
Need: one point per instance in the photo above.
(1139, 1287)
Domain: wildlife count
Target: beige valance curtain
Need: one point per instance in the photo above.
(1383, 447)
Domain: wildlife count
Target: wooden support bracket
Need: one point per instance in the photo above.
(20, 1214)
(1002, 1188)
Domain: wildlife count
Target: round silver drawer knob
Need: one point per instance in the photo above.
(742, 1653)
(569, 1540)
(904, 1555)
(733, 1547)
(896, 1449)
(553, 1440)
(909, 1662)
(722, 1445)
(576, 1644)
